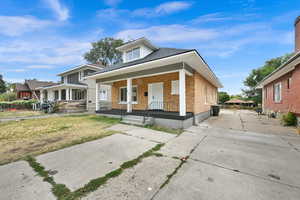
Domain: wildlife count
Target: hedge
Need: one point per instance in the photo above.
(18, 104)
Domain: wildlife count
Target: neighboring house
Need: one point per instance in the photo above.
(74, 90)
(165, 86)
(281, 89)
(239, 102)
(29, 89)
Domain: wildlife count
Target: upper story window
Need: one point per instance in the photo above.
(133, 54)
(289, 81)
(277, 92)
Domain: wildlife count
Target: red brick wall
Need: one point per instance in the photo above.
(290, 97)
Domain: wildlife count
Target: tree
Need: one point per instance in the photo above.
(2, 85)
(104, 51)
(223, 97)
(259, 74)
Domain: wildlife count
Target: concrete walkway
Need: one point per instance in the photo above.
(211, 161)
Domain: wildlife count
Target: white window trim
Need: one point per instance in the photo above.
(280, 92)
(125, 102)
(131, 50)
(175, 91)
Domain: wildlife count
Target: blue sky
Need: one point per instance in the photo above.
(40, 38)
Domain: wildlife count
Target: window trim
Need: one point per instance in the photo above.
(280, 92)
(125, 102)
(131, 52)
(177, 88)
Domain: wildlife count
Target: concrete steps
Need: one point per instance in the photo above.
(137, 120)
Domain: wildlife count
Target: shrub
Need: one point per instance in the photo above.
(289, 119)
(18, 104)
(10, 96)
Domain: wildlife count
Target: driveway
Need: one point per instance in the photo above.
(235, 156)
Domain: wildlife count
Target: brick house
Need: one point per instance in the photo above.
(163, 86)
(29, 89)
(281, 89)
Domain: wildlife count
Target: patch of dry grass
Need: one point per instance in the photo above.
(36, 136)
(19, 113)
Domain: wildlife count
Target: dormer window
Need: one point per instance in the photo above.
(133, 54)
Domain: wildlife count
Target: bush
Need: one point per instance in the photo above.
(10, 96)
(18, 104)
(289, 119)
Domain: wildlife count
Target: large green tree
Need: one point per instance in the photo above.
(2, 85)
(259, 74)
(104, 51)
(223, 97)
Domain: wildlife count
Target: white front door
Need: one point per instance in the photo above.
(156, 96)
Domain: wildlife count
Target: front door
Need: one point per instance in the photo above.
(156, 96)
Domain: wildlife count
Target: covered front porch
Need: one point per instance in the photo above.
(163, 93)
(63, 92)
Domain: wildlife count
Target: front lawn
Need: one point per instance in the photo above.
(19, 113)
(36, 136)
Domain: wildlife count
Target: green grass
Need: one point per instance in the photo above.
(164, 129)
(36, 136)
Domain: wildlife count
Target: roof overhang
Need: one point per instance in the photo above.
(64, 85)
(137, 42)
(282, 70)
(78, 68)
(192, 58)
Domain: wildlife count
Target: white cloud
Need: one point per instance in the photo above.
(40, 67)
(61, 11)
(169, 33)
(112, 2)
(17, 70)
(213, 17)
(18, 25)
(162, 9)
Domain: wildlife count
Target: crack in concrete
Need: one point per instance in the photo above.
(295, 148)
(245, 173)
(183, 160)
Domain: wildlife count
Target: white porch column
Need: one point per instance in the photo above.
(42, 96)
(182, 103)
(59, 95)
(97, 96)
(68, 94)
(129, 95)
(263, 95)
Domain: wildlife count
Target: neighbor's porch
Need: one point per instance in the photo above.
(163, 95)
(64, 92)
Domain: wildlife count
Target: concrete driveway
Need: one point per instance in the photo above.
(226, 158)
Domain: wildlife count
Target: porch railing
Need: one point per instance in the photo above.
(109, 105)
(158, 106)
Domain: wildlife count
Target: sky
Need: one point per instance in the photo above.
(41, 38)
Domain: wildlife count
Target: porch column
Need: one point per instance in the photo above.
(59, 95)
(68, 94)
(97, 96)
(182, 104)
(263, 99)
(129, 95)
(71, 94)
(42, 96)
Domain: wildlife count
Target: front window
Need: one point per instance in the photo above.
(123, 94)
(133, 54)
(277, 92)
(103, 95)
(78, 94)
(56, 95)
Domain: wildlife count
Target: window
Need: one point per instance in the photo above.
(277, 92)
(289, 81)
(103, 94)
(175, 87)
(78, 94)
(133, 54)
(123, 94)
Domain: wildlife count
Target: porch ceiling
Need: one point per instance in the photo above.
(64, 86)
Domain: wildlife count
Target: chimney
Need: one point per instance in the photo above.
(297, 34)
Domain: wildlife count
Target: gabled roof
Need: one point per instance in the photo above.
(155, 55)
(136, 42)
(22, 87)
(93, 66)
(34, 84)
(285, 68)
